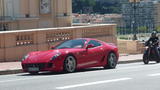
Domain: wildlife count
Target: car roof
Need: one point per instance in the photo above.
(88, 39)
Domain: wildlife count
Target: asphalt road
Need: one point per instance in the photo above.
(134, 76)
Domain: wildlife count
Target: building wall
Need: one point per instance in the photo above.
(157, 15)
(62, 12)
(1, 8)
(144, 16)
(27, 14)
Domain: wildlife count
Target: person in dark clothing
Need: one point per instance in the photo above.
(155, 40)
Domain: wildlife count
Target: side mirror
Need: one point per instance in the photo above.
(90, 46)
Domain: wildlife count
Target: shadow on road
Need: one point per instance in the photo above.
(62, 73)
(151, 63)
(78, 71)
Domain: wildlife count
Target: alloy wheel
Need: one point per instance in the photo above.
(70, 64)
(112, 61)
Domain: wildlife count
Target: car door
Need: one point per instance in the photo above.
(94, 54)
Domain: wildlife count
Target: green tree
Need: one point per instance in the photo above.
(99, 6)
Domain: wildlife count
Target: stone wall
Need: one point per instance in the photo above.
(130, 47)
(15, 44)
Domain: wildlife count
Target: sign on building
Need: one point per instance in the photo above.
(45, 6)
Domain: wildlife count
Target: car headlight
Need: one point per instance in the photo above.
(55, 56)
(25, 57)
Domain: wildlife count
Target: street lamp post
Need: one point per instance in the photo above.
(134, 21)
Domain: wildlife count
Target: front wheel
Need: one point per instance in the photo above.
(111, 61)
(70, 64)
(145, 59)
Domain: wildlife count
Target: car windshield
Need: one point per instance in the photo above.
(78, 43)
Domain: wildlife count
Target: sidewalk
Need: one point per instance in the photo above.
(10, 68)
(130, 58)
(15, 67)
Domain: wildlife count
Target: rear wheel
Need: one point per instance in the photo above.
(157, 61)
(111, 61)
(145, 59)
(70, 64)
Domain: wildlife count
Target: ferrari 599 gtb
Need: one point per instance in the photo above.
(72, 55)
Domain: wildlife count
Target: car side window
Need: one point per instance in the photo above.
(95, 43)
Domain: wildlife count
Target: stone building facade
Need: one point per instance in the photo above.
(144, 13)
(29, 14)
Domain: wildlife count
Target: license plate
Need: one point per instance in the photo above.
(33, 69)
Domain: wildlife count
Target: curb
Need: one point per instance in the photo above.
(130, 61)
(6, 72)
(16, 71)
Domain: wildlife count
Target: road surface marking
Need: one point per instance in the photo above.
(92, 83)
(156, 74)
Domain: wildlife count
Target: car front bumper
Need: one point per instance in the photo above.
(38, 67)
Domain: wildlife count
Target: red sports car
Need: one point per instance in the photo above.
(72, 55)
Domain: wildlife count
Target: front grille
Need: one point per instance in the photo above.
(39, 65)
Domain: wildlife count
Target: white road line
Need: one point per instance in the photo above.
(92, 83)
(156, 74)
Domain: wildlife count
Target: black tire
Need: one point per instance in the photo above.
(157, 61)
(33, 73)
(70, 64)
(145, 59)
(111, 61)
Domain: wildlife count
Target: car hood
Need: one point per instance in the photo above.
(45, 56)
(41, 56)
